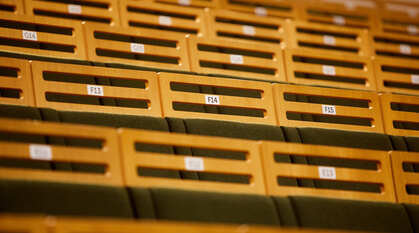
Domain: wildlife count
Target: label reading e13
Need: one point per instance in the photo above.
(194, 164)
(327, 173)
(40, 152)
(29, 35)
(94, 90)
(212, 99)
(328, 109)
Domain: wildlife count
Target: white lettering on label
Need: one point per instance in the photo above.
(137, 48)
(29, 35)
(165, 20)
(236, 59)
(261, 11)
(339, 20)
(412, 29)
(405, 49)
(328, 109)
(74, 9)
(40, 152)
(212, 99)
(184, 2)
(329, 40)
(329, 70)
(415, 78)
(94, 90)
(249, 30)
(194, 164)
(327, 173)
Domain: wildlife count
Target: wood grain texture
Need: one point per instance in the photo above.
(281, 9)
(403, 178)
(17, 5)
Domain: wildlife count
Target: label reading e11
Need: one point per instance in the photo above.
(328, 109)
(29, 35)
(261, 11)
(249, 30)
(212, 99)
(137, 48)
(339, 20)
(194, 164)
(327, 173)
(415, 78)
(74, 9)
(329, 40)
(405, 49)
(236, 59)
(40, 152)
(165, 20)
(94, 90)
(329, 70)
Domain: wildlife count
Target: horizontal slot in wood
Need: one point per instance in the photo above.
(406, 176)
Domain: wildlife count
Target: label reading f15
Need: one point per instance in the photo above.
(339, 20)
(249, 30)
(328, 109)
(327, 173)
(40, 152)
(261, 11)
(212, 99)
(29, 35)
(329, 70)
(405, 49)
(74, 9)
(165, 20)
(194, 164)
(94, 90)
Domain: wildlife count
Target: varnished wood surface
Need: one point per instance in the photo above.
(404, 178)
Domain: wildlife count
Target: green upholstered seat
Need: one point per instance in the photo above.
(413, 213)
(63, 199)
(180, 205)
(351, 215)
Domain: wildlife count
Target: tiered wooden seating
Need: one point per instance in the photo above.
(42, 37)
(192, 3)
(401, 115)
(322, 68)
(107, 155)
(219, 98)
(147, 14)
(348, 13)
(395, 46)
(239, 26)
(234, 58)
(282, 9)
(133, 160)
(305, 106)
(274, 170)
(16, 82)
(404, 178)
(139, 47)
(11, 6)
(397, 18)
(397, 75)
(121, 91)
(99, 11)
(328, 38)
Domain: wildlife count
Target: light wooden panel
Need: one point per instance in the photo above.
(134, 159)
(12, 6)
(281, 9)
(242, 27)
(150, 94)
(108, 155)
(347, 13)
(103, 11)
(397, 72)
(146, 47)
(324, 73)
(273, 170)
(192, 3)
(283, 106)
(244, 57)
(43, 224)
(395, 46)
(22, 82)
(399, 116)
(177, 19)
(399, 18)
(28, 31)
(404, 178)
(328, 38)
(265, 103)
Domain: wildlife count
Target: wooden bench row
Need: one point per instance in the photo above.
(388, 16)
(123, 153)
(135, 92)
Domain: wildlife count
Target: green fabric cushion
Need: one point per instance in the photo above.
(325, 213)
(142, 203)
(22, 112)
(413, 212)
(63, 199)
(285, 211)
(180, 205)
(398, 143)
